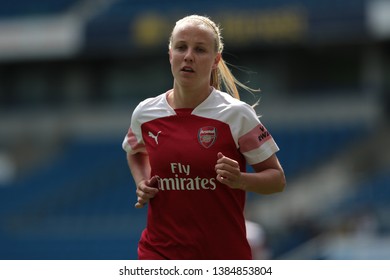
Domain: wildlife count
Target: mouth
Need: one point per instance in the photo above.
(187, 69)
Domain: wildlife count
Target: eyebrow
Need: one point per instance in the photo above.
(182, 41)
(203, 44)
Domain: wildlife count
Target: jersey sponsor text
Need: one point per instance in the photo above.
(180, 183)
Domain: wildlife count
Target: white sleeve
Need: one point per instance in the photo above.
(254, 140)
(133, 142)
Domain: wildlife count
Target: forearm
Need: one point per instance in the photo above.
(139, 166)
(145, 186)
(265, 182)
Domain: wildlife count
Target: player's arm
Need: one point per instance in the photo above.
(140, 169)
(268, 176)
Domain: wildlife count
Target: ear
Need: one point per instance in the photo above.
(216, 61)
(170, 55)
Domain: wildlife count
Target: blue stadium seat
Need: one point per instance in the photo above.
(89, 189)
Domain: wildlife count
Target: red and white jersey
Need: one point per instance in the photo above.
(193, 216)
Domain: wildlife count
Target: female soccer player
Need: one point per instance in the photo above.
(188, 148)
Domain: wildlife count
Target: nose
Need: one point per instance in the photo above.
(189, 56)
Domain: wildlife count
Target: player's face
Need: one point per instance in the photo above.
(193, 55)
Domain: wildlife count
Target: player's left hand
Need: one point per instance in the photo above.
(228, 171)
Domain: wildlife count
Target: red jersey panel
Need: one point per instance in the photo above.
(193, 216)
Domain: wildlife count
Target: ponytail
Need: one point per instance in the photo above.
(222, 76)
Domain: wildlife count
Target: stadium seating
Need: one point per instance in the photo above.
(305, 147)
(73, 211)
(80, 206)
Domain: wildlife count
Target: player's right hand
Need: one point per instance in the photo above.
(146, 190)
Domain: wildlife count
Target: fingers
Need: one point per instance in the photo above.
(153, 182)
(228, 171)
(146, 190)
(139, 205)
(226, 166)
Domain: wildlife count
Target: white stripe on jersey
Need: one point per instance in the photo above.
(240, 117)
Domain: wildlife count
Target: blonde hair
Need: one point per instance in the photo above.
(222, 74)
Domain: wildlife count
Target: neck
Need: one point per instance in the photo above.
(181, 97)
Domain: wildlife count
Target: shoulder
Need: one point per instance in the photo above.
(227, 104)
(150, 102)
(226, 98)
(150, 108)
(221, 106)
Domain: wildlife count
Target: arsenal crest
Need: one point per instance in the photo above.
(207, 136)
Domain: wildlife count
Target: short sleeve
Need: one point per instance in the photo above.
(255, 141)
(133, 142)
